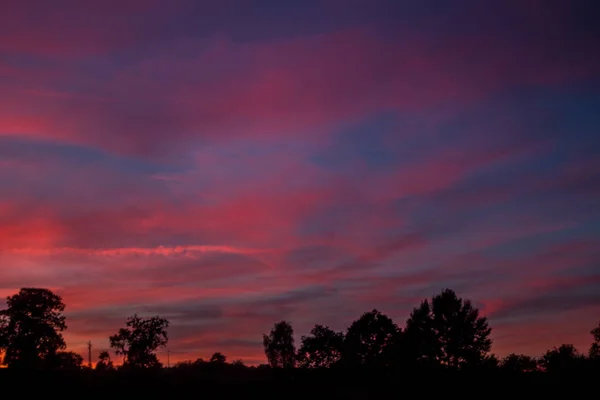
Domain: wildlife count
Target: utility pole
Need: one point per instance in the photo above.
(168, 358)
(90, 354)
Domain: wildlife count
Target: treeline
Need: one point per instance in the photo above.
(444, 333)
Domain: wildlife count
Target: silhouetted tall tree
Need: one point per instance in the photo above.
(104, 362)
(279, 346)
(420, 336)
(30, 328)
(218, 358)
(519, 363)
(321, 349)
(448, 331)
(564, 358)
(138, 342)
(369, 340)
(595, 347)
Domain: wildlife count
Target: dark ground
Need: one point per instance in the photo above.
(297, 384)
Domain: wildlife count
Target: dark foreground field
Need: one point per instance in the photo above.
(296, 384)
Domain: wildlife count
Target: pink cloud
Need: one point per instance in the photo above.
(309, 85)
(74, 30)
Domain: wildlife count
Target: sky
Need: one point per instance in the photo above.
(229, 164)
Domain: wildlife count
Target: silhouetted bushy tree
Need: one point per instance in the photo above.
(138, 342)
(30, 328)
(564, 358)
(369, 340)
(519, 363)
(64, 360)
(279, 346)
(321, 349)
(489, 362)
(218, 358)
(104, 362)
(448, 331)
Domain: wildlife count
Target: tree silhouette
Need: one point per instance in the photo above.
(238, 364)
(218, 358)
(595, 347)
(369, 340)
(448, 331)
(421, 338)
(321, 349)
(564, 358)
(489, 362)
(279, 346)
(104, 362)
(30, 328)
(64, 360)
(519, 363)
(187, 364)
(4, 325)
(138, 342)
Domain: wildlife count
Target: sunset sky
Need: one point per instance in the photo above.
(230, 163)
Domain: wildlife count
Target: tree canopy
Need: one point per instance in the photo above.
(322, 348)
(30, 328)
(563, 358)
(279, 346)
(369, 339)
(218, 358)
(65, 360)
(104, 362)
(519, 363)
(139, 340)
(448, 331)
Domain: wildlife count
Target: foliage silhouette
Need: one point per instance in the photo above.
(369, 340)
(218, 358)
(595, 347)
(362, 362)
(104, 362)
(519, 363)
(279, 346)
(30, 328)
(138, 342)
(321, 349)
(186, 364)
(448, 332)
(238, 363)
(64, 360)
(564, 358)
(489, 362)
